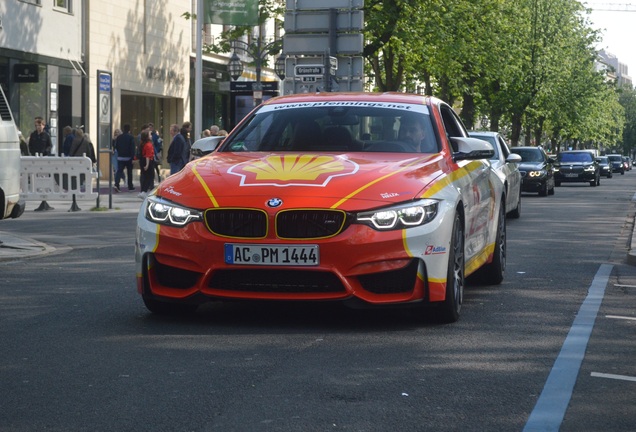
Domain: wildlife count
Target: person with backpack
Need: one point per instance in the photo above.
(157, 142)
(82, 146)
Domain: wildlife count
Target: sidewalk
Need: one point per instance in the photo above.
(14, 247)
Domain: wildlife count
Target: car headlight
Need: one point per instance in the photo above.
(401, 216)
(536, 173)
(166, 213)
(590, 168)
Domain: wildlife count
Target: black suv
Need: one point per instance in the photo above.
(577, 166)
(537, 173)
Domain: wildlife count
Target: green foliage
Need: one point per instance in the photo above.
(268, 10)
(517, 65)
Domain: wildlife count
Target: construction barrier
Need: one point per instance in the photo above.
(57, 178)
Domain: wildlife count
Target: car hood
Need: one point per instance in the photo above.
(577, 164)
(531, 166)
(346, 181)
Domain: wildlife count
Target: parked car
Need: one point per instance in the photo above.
(205, 145)
(506, 164)
(537, 170)
(617, 163)
(294, 205)
(605, 166)
(577, 166)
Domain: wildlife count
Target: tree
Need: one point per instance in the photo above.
(398, 33)
(267, 10)
(627, 99)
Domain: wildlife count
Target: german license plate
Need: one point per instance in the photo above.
(572, 175)
(276, 255)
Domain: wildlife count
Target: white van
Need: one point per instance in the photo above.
(10, 204)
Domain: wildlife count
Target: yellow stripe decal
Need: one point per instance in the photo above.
(479, 259)
(204, 185)
(368, 185)
(450, 178)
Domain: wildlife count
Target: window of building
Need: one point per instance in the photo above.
(63, 5)
(35, 2)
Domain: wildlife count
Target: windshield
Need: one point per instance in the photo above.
(336, 127)
(529, 155)
(576, 157)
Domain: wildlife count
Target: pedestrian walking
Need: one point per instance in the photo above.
(125, 147)
(146, 164)
(176, 150)
(157, 143)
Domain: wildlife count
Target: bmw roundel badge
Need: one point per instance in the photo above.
(274, 202)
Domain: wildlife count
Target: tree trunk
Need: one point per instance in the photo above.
(516, 130)
(468, 110)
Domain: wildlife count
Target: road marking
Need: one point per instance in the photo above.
(624, 286)
(612, 376)
(620, 317)
(550, 408)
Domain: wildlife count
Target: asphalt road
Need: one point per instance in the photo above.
(81, 353)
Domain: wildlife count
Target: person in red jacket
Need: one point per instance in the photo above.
(146, 164)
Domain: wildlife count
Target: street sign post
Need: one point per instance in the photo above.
(323, 43)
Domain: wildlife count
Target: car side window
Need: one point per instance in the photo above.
(452, 123)
(505, 151)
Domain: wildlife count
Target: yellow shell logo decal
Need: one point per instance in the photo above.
(293, 170)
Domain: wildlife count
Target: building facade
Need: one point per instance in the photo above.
(145, 45)
(41, 63)
(52, 52)
(618, 70)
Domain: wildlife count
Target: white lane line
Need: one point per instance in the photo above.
(612, 376)
(624, 286)
(550, 408)
(620, 317)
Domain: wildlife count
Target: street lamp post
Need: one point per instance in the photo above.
(258, 53)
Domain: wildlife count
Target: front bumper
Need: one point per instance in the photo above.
(575, 176)
(188, 265)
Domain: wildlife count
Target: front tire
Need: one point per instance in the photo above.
(450, 309)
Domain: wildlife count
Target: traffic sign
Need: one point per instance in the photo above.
(300, 5)
(317, 44)
(308, 79)
(309, 70)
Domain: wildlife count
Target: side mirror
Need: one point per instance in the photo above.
(471, 149)
(514, 158)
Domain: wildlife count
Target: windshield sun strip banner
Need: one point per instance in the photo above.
(346, 104)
